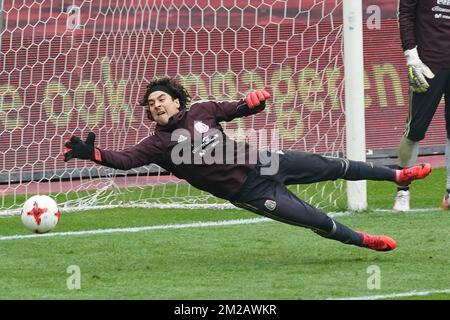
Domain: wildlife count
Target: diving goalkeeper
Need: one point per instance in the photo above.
(192, 145)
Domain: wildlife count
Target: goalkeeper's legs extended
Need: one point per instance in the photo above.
(303, 167)
(272, 199)
(297, 167)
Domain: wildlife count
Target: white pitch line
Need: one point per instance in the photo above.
(146, 228)
(138, 229)
(410, 210)
(394, 295)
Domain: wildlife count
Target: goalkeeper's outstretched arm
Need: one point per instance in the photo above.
(133, 157)
(254, 102)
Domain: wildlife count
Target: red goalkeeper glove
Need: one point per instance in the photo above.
(256, 98)
(76, 148)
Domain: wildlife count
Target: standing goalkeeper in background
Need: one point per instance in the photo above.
(197, 134)
(425, 34)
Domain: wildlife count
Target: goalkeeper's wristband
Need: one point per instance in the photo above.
(97, 155)
(243, 110)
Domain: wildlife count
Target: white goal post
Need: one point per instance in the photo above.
(78, 66)
(354, 98)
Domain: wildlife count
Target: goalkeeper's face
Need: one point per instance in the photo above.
(162, 106)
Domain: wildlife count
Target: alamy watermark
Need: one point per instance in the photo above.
(374, 279)
(74, 280)
(374, 18)
(212, 146)
(74, 18)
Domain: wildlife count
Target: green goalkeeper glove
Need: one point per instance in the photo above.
(76, 148)
(417, 71)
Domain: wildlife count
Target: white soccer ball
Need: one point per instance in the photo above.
(40, 214)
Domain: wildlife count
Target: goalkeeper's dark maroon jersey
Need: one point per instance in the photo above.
(196, 137)
(426, 24)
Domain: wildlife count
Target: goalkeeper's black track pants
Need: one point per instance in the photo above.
(423, 106)
(268, 195)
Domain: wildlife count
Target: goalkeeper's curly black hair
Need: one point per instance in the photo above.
(175, 88)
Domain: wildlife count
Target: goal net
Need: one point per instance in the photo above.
(70, 67)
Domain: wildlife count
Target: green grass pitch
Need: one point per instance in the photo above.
(267, 260)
